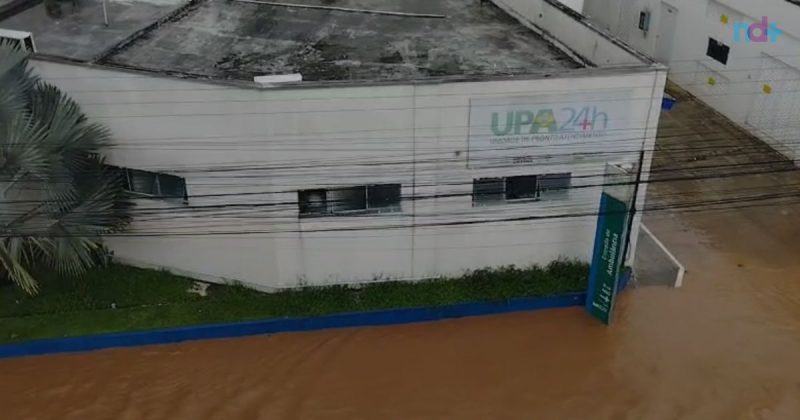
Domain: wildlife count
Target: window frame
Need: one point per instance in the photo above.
(392, 208)
(559, 191)
(539, 194)
(395, 207)
(712, 42)
(301, 203)
(330, 207)
(128, 185)
(520, 178)
(485, 181)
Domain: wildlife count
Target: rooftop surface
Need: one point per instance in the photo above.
(231, 39)
(79, 33)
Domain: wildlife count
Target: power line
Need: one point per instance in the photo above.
(653, 170)
(436, 196)
(249, 232)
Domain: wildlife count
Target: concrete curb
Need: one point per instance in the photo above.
(281, 325)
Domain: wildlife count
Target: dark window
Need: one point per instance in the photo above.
(350, 200)
(152, 183)
(313, 202)
(555, 184)
(29, 43)
(644, 21)
(488, 190)
(343, 200)
(143, 182)
(171, 186)
(386, 196)
(718, 51)
(527, 187)
(521, 187)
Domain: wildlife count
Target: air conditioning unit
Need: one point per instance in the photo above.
(20, 39)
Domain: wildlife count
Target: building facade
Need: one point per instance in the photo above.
(742, 57)
(347, 181)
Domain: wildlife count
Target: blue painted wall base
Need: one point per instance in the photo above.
(271, 326)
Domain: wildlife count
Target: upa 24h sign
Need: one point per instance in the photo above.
(509, 131)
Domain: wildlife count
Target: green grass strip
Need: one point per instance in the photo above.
(146, 299)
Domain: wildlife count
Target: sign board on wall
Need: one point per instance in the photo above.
(607, 258)
(610, 242)
(516, 130)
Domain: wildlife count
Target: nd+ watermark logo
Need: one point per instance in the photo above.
(764, 31)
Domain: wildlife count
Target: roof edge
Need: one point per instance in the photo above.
(243, 84)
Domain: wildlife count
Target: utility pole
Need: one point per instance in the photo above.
(632, 212)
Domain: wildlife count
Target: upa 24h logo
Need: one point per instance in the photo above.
(545, 121)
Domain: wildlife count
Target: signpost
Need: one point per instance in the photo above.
(608, 256)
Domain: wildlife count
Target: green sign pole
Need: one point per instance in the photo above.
(609, 245)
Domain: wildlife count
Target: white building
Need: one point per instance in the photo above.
(753, 81)
(415, 147)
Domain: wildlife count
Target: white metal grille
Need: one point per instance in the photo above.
(774, 113)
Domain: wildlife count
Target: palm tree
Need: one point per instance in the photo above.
(56, 195)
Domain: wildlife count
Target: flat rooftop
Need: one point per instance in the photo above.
(79, 33)
(231, 39)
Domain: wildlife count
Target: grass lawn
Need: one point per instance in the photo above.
(146, 299)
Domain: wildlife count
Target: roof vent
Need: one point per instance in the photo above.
(277, 79)
(19, 39)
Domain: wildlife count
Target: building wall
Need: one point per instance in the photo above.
(246, 152)
(758, 88)
(571, 31)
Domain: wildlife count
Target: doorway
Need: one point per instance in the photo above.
(667, 27)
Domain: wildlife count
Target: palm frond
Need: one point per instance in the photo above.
(11, 57)
(67, 254)
(16, 82)
(12, 258)
(57, 194)
(21, 151)
(70, 137)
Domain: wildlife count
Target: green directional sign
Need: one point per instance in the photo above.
(609, 244)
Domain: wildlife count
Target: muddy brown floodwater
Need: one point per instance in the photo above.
(725, 346)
